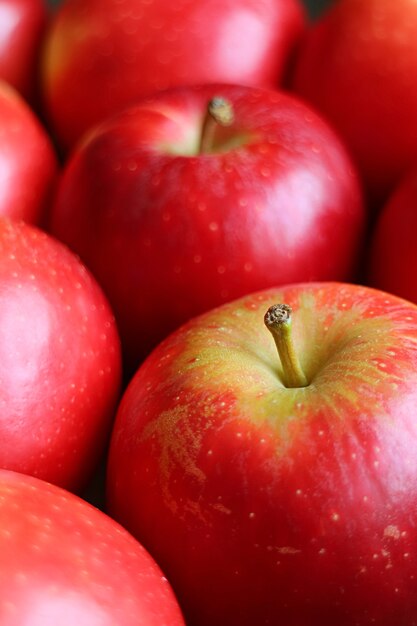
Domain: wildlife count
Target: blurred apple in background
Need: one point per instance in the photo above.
(393, 246)
(168, 206)
(22, 28)
(101, 55)
(64, 562)
(59, 360)
(357, 65)
(28, 163)
(278, 492)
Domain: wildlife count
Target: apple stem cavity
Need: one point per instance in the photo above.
(219, 112)
(278, 321)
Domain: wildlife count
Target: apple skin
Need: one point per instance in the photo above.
(28, 163)
(357, 65)
(157, 222)
(22, 29)
(65, 562)
(268, 505)
(60, 362)
(392, 260)
(101, 55)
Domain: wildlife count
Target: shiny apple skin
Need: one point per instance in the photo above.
(156, 222)
(267, 505)
(101, 55)
(28, 162)
(60, 362)
(22, 29)
(357, 65)
(66, 563)
(392, 262)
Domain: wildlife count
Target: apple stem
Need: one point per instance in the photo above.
(278, 321)
(219, 113)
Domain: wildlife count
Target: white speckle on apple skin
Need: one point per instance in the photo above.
(392, 531)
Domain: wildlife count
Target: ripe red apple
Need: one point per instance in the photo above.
(271, 504)
(101, 55)
(22, 29)
(161, 214)
(64, 562)
(28, 163)
(393, 251)
(357, 66)
(59, 360)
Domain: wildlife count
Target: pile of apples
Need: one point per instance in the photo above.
(208, 313)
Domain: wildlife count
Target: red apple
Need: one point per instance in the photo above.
(28, 164)
(64, 562)
(22, 29)
(59, 360)
(357, 65)
(266, 503)
(161, 215)
(101, 55)
(393, 250)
